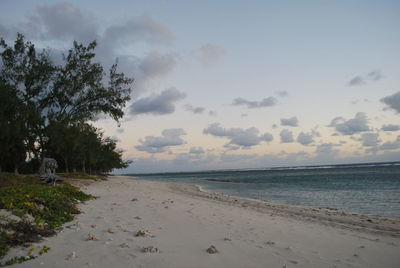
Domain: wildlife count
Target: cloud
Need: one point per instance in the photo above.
(292, 122)
(138, 29)
(391, 145)
(244, 138)
(390, 127)
(155, 64)
(56, 25)
(170, 137)
(375, 75)
(359, 80)
(209, 54)
(195, 110)
(286, 136)
(61, 21)
(196, 150)
(326, 151)
(282, 93)
(356, 81)
(157, 104)
(369, 139)
(305, 138)
(212, 113)
(393, 101)
(266, 102)
(349, 127)
(149, 68)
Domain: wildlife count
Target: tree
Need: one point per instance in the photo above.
(41, 103)
(25, 77)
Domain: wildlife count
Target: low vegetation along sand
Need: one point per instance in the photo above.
(137, 223)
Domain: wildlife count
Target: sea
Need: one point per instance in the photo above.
(368, 189)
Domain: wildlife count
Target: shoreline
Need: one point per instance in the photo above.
(147, 224)
(331, 217)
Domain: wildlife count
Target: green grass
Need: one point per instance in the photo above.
(11, 179)
(81, 176)
(50, 206)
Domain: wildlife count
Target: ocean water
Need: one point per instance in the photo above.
(369, 189)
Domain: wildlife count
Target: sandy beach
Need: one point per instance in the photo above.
(177, 223)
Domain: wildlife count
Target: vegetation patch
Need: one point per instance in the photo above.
(41, 209)
(81, 176)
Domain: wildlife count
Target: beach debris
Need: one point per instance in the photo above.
(71, 256)
(93, 225)
(270, 243)
(227, 239)
(212, 250)
(137, 218)
(124, 245)
(143, 233)
(111, 230)
(134, 199)
(91, 237)
(166, 207)
(362, 246)
(150, 249)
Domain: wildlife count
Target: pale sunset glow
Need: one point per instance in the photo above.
(237, 84)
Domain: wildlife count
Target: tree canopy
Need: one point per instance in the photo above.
(46, 109)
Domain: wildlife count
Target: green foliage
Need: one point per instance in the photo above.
(16, 260)
(47, 204)
(44, 108)
(11, 179)
(81, 176)
(50, 206)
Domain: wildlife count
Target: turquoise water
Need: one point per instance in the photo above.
(364, 189)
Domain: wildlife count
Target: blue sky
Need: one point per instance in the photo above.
(238, 84)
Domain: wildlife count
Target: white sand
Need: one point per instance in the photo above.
(185, 222)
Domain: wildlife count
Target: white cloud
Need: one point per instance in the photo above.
(392, 101)
(212, 113)
(356, 81)
(305, 138)
(238, 136)
(375, 75)
(390, 127)
(391, 145)
(282, 93)
(161, 104)
(349, 127)
(359, 80)
(195, 110)
(292, 122)
(196, 150)
(169, 137)
(209, 54)
(286, 136)
(369, 139)
(266, 102)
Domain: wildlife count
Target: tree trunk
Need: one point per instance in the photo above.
(66, 165)
(83, 166)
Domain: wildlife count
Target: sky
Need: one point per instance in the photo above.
(237, 84)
